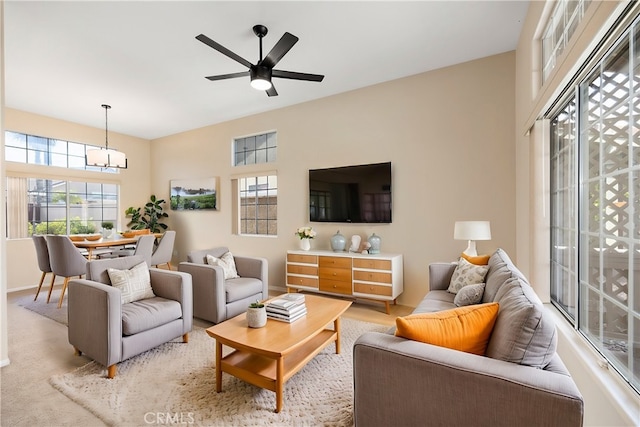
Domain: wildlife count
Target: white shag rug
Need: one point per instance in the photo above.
(175, 384)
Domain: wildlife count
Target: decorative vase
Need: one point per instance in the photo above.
(338, 242)
(106, 233)
(374, 241)
(305, 244)
(256, 317)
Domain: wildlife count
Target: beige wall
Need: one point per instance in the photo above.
(449, 136)
(607, 400)
(134, 181)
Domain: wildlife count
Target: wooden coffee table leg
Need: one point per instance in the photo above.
(336, 327)
(218, 366)
(279, 383)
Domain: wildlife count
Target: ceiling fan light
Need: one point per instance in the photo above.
(260, 77)
(260, 84)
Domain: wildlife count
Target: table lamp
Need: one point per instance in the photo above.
(472, 231)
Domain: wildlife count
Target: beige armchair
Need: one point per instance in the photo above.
(216, 299)
(108, 331)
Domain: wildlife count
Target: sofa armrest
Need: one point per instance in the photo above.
(177, 286)
(95, 320)
(208, 287)
(258, 268)
(420, 382)
(440, 275)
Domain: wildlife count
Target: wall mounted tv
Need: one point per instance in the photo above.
(353, 194)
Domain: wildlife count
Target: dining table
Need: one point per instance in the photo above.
(115, 241)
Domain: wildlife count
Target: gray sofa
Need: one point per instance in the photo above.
(216, 299)
(108, 331)
(521, 381)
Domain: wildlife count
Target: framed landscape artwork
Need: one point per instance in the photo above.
(194, 194)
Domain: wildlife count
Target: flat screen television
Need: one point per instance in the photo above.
(353, 194)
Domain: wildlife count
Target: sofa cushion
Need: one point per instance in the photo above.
(242, 287)
(134, 284)
(524, 333)
(466, 274)
(501, 269)
(227, 263)
(477, 260)
(468, 295)
(435, 301)
(464, 328)
(140, 316)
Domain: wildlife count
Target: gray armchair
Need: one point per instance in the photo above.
(216, 299)
(108, 331)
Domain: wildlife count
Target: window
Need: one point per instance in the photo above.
(561, 25)
(45, 206)
(595, 200)
(258, 200)
(37, 150)
(255, 149)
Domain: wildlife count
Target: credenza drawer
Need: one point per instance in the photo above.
(364, 288)
(302, 269)
(372, 276)
(302, 259)
(335, 286)
(342, 274)
(374, 264)
(310, 282)
(334, 261)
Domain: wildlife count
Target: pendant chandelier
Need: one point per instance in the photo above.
(106, 157)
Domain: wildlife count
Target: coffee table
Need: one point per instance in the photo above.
(267, 357)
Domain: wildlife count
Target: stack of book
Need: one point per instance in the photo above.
(287, 308)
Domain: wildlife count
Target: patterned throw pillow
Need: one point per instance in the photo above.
(466, 274)
(468, 295)
(227, 263)
(134, 284)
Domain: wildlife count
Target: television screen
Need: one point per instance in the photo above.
(356, 194)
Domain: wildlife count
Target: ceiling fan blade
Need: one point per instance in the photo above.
(283, 46)
(223, 50)
(297, 76)
(272, 90)
(228, 76)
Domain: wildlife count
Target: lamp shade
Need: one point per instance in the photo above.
(106, 158)
(472, 230)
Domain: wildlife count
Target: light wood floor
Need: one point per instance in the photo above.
(39, 348)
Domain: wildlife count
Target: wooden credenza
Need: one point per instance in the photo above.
(375, 277)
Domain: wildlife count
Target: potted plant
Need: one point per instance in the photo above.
(151, 217)
(256, 315)
(107, 228)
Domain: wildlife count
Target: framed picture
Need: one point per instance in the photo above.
(194, 194)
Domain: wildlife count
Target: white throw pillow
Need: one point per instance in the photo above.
(134, 284)
(466, 274)
(227, 263)
(468, 295)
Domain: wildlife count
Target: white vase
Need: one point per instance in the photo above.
(256, 317)
(305, 244)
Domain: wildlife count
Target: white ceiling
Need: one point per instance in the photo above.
(65, 59)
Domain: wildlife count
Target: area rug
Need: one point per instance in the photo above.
(175, 384)
(41, 307)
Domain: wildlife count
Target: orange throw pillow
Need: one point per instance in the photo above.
(464, 328)
(477, 260)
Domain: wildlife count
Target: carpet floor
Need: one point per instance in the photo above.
(175, 383)
(49, 310)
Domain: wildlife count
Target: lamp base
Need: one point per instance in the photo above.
(471, 249)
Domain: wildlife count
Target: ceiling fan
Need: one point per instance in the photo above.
(262, 72)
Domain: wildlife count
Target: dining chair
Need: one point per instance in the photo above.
(44, 265)
(144, 248)
(66, 260)
(164, 251)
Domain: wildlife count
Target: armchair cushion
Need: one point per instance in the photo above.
(227, 263)
(242, 287)
(134, 284)
(140, 316)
